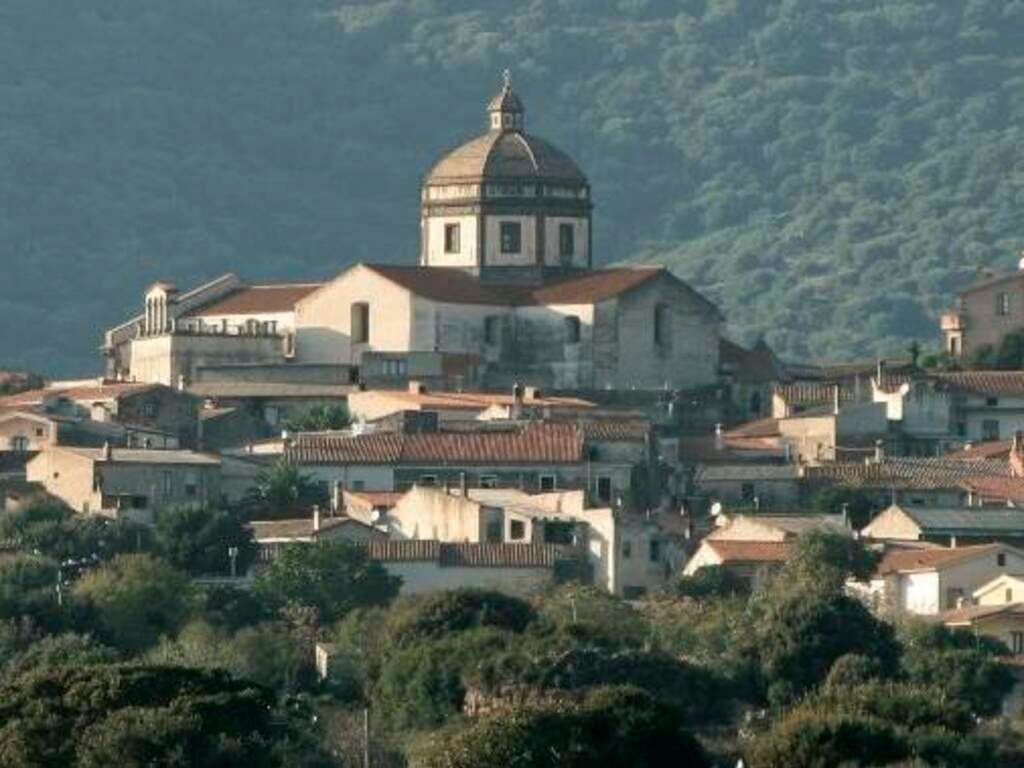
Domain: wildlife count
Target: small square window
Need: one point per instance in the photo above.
(488, 481)
(990, 429)
(149, 409)
(511, 237)
(604, 488)
(627, 549)
(517, 530)
(992, 402)
(1001, 559)
(655, 551)
(428, 481)
(547, 482)
(452, 238)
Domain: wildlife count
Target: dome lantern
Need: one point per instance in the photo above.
(506, 110)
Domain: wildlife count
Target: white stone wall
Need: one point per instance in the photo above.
(419, 577)
(468, 239)
(552, 250)
(528, 242)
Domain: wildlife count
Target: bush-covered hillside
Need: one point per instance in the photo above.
(829, 170)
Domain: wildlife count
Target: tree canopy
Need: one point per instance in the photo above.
(829, 171)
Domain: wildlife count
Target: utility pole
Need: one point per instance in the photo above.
(366, 737)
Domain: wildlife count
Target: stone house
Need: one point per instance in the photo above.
(1004, 623)
(123, 482)
(429, 566)
(271, 536)
(627, 555)
(753, 562)
(984, 313)
(531, 456)
(140, 408)
(947, 526)
(929, 581)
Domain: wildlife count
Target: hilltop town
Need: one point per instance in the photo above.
(499, 480)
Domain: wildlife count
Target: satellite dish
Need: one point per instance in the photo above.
(716, 509)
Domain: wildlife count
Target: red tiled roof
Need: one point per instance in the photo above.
(471, 401)
(617, 430)
(258, 299)
(1002, 489)
(915, 473)
(984, 382)
(467, 555)
(749, 551)
(301, 528)
(79, 393)
(534, 443)
(761, 428)
(457, 286)
(923, 559)
(992, 449)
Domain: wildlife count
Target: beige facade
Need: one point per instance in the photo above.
(1005, 589)
(134, 484)
(984, 314)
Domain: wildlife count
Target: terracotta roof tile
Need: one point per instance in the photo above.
(813, 393)
(257, 299)
(617, 430)
(301, 528)
(80, 393)
(761, 428)
(896, 561)
(457, 286)
(749, 551)
(911, 473)
(991, 449)
(468, 555)
(533, 443)
(983, 382)
(1001, 489)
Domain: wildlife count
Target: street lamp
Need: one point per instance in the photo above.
(233, 554)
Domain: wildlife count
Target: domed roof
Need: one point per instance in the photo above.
(506, 154)
(506, 151)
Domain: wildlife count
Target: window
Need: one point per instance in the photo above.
(1002, 304)
(192, 484)
(661, 325)
(559, 532)
(755, 404)
(488, 481)
(491, 329)
(517, 530)
(954, 595)
(992, 402)
(149, 409)
(627, 549)
(451, 238)
(168, 484)
(547, 482)
(39, 431)
(139, 502)
(604, 488)
(1017, 642)
(493, 532)
(990, 429)
(748, 492)
(1001, 559)
(566, 240)
(19, 444)
(1008, 595)
(655, 551)
(511, 237)
(572, 330)
(360, 322)
(954, 346)
(428, 481)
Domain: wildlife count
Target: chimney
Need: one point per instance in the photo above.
(1017, 454)
(108, 452)
(880, 371)
(316, 518)
(337, 498)
(879, 451)
(719, 440)
(463, 487)
(835, 399)
(417, 387)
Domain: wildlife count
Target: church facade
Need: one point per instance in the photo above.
(504, 289)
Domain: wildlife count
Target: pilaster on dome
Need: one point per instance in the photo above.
(506, 110)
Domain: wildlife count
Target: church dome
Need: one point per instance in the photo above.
(506, 152)
(506, 155)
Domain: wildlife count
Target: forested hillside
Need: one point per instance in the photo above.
(830, 171)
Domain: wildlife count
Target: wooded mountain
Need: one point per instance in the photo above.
(830, 171)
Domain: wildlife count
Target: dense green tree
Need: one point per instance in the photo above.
(196, 540)
(283, 492)
(136, 716)
(136, 599)
(613, 727)
(332, 577)
(711, 583)
(68, 649)
(442, 613)
(320, 418)
(824, 560)
(856, 503)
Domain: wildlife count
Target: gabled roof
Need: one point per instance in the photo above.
(967, 520)
(301, 528)
(906, 560)
(990, 449)
(790, 525)
(969, 614)
(734, 552)
(983, 382)
(533, 443)
(456, 286)
(467, 555)
(909, 473)
(257, 299)
(768, 427)
(709, 473)
(143, 456)
(97, 392)
(997, 489)
(755, 365)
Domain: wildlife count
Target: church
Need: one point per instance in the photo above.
(504, 292)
